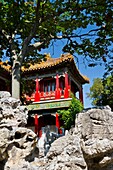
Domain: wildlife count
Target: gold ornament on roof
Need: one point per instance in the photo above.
(47, 56)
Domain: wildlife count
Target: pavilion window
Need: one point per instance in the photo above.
(45, 88)
(41, 87)
(74, 88)
(53, 86)
(49, 86)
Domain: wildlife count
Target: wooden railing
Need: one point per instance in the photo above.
(47, 95)
(52, 95)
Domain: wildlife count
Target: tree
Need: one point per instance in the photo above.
(28, 26)
(68, 116)
(101, 92)
(95, 91)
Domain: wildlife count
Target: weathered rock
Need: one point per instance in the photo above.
(21, 149)
(17, 143)
(95, 129)
(4, 94)
(89, 146)
(66, 153)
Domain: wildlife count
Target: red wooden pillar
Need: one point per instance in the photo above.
(57, 90)
(37, 94)
(81, 95)
(66, 90)
(36, 123)
(58, 122)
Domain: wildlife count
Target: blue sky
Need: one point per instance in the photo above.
(90, 72)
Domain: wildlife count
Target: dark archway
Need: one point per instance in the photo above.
(45, 120)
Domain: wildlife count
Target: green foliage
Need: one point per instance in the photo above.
(95, 91)
(27, 27)
(28, 87)
(86, 26)
(107, 95)
(68, 116)
(101, 92)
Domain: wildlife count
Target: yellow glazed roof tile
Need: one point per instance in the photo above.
(5, 66)
(50, 62)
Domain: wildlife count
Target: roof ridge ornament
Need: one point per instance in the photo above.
(47, 56)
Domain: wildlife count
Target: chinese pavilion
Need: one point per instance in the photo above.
(51, 83)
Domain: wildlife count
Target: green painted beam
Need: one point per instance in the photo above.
(56, 104)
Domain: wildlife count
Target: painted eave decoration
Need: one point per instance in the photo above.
(51, 104)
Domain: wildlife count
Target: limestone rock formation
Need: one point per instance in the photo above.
(95, 128)
(88, 146)
(17, 143)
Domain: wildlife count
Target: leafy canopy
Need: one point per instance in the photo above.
(68, 116)
(95, 91)
(28, 26)
(101, 92)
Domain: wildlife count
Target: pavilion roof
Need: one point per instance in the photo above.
(50, 63)
(5, 66)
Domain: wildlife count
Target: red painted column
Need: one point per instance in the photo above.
(57, 122)
(37, 94)
(66, 90)
(81, 95)
(57, 90)
(36, 123)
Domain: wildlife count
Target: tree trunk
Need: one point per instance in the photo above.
(16, 80)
